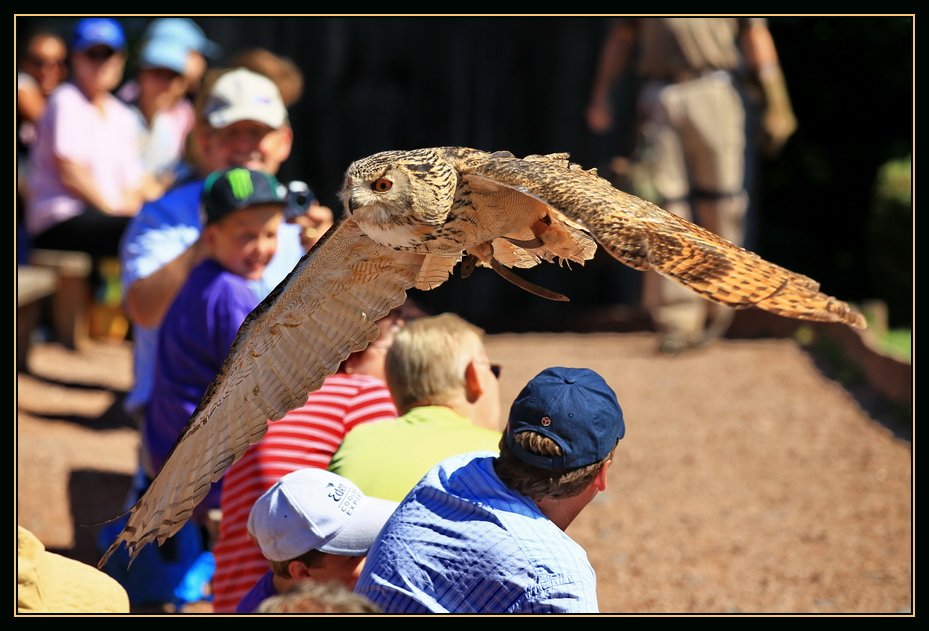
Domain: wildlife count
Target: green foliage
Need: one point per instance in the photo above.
(898, 343)
(890, 241)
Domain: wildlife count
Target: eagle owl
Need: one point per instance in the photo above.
(412, 216)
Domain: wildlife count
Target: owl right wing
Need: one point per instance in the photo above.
(323, 311)
(644, 236)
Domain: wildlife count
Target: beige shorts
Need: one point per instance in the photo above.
(693, 137)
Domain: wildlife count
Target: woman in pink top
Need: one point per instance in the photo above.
(86, 175)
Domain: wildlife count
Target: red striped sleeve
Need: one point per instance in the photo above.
(305, 437)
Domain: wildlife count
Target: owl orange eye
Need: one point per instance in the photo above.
(382, 185)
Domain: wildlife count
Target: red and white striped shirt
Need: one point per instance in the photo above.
(305, 437)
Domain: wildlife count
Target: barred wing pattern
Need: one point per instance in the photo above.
(323, 311)
(644, 236)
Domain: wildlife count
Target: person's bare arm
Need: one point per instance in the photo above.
(147, 299)
(778, 122)
(76, 177)
(614, 57)
(30, 103)
(79, 181)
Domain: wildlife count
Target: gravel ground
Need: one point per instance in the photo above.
(747, 482)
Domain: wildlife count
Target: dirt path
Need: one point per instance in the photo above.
(747, 482)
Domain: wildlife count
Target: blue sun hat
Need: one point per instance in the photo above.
(186, 32)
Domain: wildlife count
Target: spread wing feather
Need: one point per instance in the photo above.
(323, 311)
(327, 307)
(645, 236)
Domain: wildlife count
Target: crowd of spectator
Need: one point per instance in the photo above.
(173, 172)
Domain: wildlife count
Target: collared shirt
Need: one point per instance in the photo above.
(463, 542)
(161, 232)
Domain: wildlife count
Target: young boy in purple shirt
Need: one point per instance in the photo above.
(242, 211)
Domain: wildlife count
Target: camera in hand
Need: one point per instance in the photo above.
(298, 198)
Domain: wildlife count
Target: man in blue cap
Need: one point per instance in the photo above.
(485, 534)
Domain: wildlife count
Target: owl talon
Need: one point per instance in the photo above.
(468, 263)
(525, 284)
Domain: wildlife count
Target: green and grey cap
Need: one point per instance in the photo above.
(231, 189)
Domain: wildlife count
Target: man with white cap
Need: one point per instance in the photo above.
(312, 525)
(485, 534)
(242, 121)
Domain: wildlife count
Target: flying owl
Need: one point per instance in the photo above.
(411, 217)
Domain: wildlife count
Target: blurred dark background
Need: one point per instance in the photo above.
(522, 83)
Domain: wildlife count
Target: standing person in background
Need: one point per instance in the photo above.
(86, 171)
(693, 137)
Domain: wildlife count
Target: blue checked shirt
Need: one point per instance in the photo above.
(462, 542)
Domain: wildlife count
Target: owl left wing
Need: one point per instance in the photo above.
(645, 236)
(323, 311)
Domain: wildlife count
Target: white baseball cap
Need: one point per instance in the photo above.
(240, 95)
(313, 509)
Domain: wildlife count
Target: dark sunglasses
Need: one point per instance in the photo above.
(42, 63)
(100, 53)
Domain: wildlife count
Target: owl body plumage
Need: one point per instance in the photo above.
(414, 215)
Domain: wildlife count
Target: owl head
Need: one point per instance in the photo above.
(394, 191)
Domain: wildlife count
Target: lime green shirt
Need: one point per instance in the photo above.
(387, 458)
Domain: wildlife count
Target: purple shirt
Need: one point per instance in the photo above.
(195, 336)
(262, 590)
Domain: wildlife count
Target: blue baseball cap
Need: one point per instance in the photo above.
(98, 31)
(576, 409)
(186, 32)
(164, 53)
